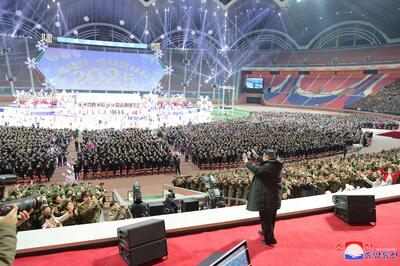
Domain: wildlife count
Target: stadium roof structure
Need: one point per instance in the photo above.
(201, 24)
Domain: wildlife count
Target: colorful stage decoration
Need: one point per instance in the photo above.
(158, 88)
(168, 70)
(48, 85)
(94, 111)
(31, 63)
(205, 104)
(159, 54)
(41, 46)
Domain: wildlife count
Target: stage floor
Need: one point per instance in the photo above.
(312, 240)
(183, 223)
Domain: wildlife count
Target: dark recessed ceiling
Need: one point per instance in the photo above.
(302, 20)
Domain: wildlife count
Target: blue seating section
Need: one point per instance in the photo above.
(320, 100)
(352, 99)
(297, 99)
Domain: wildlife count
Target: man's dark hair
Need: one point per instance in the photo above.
(271, 153)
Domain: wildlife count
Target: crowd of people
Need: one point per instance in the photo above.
(312, 177)
(62, 205)
(32, 152)
(292, 135)
(386, 101)
(120, 151)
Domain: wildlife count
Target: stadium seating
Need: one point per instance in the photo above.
(325, 90)
(390, 53)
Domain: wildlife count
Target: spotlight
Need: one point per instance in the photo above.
(75, 32)
(162, 36)
(179, 28)
(122, 22)
(146, 32)
(86, 18)
(210, 32)
(193, 32)
(57, 24)
(131, 36)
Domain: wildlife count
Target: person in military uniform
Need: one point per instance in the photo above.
(115, 150)
(8, 233)
(69, 216)
(31, 151)
(117, 212)
(89, 209)
(57, 204)
(332, 174)
(50, 221)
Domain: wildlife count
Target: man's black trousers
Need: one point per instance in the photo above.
(267, 218)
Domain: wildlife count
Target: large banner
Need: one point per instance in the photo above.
(95, 70)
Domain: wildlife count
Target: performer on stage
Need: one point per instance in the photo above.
(265, 191)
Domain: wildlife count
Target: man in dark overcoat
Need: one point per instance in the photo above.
(265, 191)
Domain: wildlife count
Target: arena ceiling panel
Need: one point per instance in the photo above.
(145, 21)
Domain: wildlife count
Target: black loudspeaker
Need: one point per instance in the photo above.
(156, 208)
(189, 205)
(355, 209)
(142, 242)
(356, 216)
(141, 233)
(354, 201)
(144, 253)
(8, 179)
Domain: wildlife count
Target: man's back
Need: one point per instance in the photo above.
(139, 209)
(266, 187)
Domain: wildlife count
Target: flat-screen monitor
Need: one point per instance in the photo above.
(237, 256)
(255, 83)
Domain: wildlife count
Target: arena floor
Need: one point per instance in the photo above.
(152, 184)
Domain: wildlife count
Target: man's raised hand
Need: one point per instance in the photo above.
(244, 158)
(255, 155)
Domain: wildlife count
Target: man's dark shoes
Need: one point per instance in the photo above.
(271, 243)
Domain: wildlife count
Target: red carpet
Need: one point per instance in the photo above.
(392, 134)
(309, 240)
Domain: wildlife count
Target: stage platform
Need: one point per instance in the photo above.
(73, 237)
